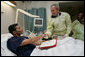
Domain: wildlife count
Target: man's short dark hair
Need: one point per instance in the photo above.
(12, 28)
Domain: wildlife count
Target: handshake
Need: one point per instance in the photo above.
(42, 38)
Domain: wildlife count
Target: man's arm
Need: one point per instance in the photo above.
(49, 27)
(31, 40)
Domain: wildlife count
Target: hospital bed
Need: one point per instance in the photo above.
(65, 47)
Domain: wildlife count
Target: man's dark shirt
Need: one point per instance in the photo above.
(13, 44)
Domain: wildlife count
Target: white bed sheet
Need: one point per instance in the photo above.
(65, 47)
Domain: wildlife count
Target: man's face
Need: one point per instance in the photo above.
(19, 30)
(80, 16)
(54, 11)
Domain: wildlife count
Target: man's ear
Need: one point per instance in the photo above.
(14, 32)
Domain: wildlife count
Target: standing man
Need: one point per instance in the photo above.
(78, 27)
(59, 23)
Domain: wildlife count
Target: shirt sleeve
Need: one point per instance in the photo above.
(14, 44)
(68, 24)
(49, 27)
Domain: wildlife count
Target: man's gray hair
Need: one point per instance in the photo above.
(56, 5)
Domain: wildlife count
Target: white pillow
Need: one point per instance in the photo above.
(6, 36)
(4, 50)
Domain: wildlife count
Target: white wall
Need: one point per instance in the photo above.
(7, 18)
(38, 4)
(20, 5)
(45, 4)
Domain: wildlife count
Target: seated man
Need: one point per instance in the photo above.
(21, 45)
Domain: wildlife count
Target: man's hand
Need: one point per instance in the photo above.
(46, 36)
(42, 35)
(66, 35)
(36, 43)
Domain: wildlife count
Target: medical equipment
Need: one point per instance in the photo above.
(28, 34)
(24, 12)
(38, 22)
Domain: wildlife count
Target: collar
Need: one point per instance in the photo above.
(56, 16)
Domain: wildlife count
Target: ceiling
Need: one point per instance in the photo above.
(73, 4)
(66, 3)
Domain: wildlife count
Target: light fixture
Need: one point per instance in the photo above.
(24, 12)
(11, 3)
